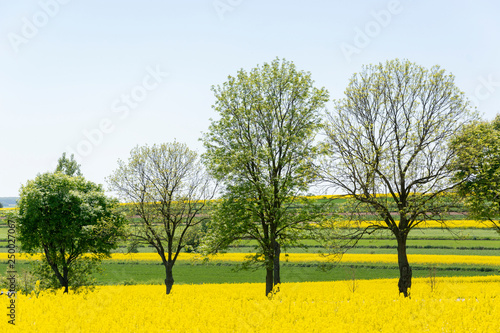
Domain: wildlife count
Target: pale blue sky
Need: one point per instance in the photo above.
(98, 68)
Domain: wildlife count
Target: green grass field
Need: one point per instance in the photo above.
(469, 241)
(227, 272)
(420, 241)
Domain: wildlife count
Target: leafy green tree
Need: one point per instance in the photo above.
(477, 169)
(66, 218)
(262, 149)
(68, 166)
(166, 186)
(390, 134)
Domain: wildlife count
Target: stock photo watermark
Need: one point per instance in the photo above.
(11, 272)
(31, 26)
(222, 7)
(363, 36)
(486, 88)
(120, 108)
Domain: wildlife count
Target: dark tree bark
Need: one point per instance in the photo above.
(169, 281)
(62, 278)
(276, 264)
(168, 262)
(65, 279)
(405, 272)
(269, 280)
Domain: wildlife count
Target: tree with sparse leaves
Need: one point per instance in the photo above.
(66, 218)
(167, 187)
(389, 135)
(477, 169)
(262, 149)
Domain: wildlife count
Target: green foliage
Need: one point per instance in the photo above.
(65, 217)
(81, 274)
(38, 275)
(68, 166)
(193, 237)
(262, 149)
(269, 118)
(26, 282)
(236, 218)
(477, 169)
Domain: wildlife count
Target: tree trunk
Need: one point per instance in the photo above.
(276, 265)
(405, 272)
(269, 280)
(63, 278)
(169, 281)
(65, 282)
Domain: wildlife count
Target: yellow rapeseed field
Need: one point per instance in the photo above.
(305, 257)
(363, 224)
(452, 224)
(456, 305)
(354, 257)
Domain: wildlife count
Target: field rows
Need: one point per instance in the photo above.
(452, 224)
(306, 257)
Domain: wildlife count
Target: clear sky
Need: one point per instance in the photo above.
(97, 78)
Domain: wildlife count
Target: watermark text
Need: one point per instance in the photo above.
(120, 108)
(31, 26)
(11, 272)
(364, 36)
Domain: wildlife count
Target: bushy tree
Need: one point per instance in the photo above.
(262, 149)
(71, 221)
(477, 169)
(389, 135)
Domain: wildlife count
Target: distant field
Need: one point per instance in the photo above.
(425, 241)
(9, 201)
(185, 272)
(422, 241)
(146, 268)
(469, 241)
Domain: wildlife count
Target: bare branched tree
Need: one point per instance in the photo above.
(390, 135)
(168, 190)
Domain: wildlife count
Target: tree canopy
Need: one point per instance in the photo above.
(68, 166)
(389, 135)
(65, 217)
(477, 169)
(262, 150)
(167, 187)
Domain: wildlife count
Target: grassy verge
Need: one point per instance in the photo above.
(187, 272)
